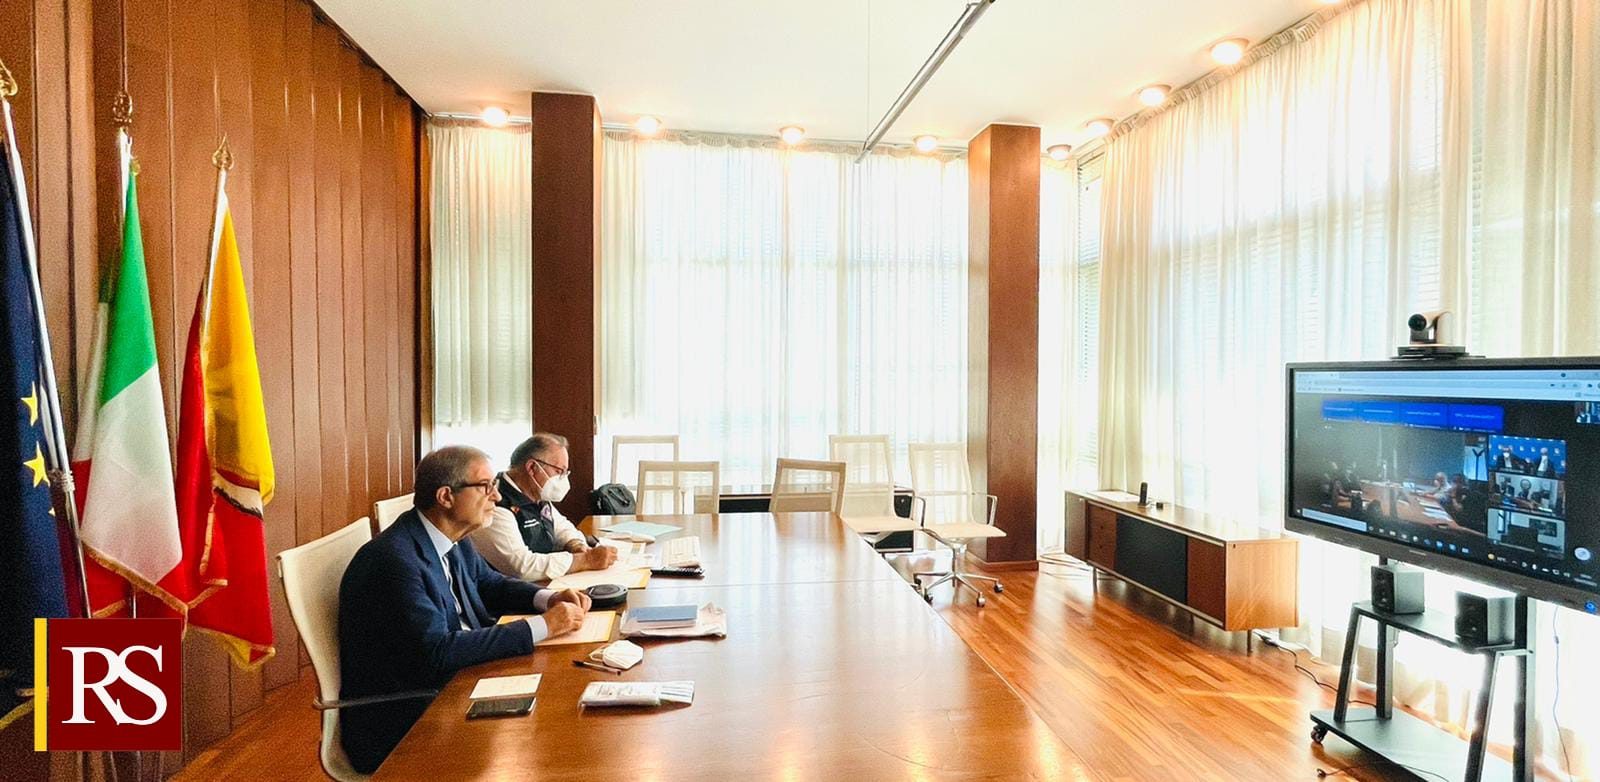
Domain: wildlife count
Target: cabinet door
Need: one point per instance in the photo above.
(1102, 537)
(1208, 579)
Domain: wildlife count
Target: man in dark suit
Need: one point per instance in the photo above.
(1509, 461)
(418, 603)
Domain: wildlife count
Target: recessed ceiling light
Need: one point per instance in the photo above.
(1154, 95)
(1228, 52)
(1059, 151)
(926, 143)
(1098, 127)
(495, 117)
(792, 134)
(647, 125)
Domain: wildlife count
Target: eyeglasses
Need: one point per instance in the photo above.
(556, 470)
(487, 486)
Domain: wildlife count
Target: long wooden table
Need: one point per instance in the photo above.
(832, 668)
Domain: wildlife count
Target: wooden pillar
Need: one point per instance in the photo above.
(566, 247)
(1003, 332)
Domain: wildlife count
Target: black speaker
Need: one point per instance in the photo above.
(1485, 621)
(1397, 589)
(1144, 494)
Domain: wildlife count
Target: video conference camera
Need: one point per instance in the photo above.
(1429, 333)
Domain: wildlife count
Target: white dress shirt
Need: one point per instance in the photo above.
(502, 546)
(442, 545)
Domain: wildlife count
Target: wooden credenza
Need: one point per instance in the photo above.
(1233, 575)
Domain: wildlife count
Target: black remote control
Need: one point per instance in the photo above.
(678, 572)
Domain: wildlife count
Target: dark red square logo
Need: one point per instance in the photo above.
(113, 684)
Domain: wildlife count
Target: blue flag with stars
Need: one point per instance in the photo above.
(30, 553)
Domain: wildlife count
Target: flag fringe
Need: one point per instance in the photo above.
(240, 648)
(137, 581)
(17, 713)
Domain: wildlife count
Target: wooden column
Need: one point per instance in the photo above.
(1003, 332)
(566, 257)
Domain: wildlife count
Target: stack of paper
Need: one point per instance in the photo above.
(709, 620)
(491, 687)
(597, 627)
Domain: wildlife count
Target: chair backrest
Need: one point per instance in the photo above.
(869, 473)
(637, 448)
(386, 511)
(663, 485)
(940, 476)
(311, 574)
(804, 485)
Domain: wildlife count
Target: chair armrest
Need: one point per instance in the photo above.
(922, 518)
(345, 703)
(992, 502)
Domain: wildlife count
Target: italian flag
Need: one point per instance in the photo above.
(129, 516)
(224, 458)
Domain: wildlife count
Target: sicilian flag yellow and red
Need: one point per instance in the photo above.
(224, 476)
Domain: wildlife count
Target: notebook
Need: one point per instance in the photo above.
(506, 687)
(666, 616)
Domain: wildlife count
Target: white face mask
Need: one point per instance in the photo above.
(621, 655)
(555, 489)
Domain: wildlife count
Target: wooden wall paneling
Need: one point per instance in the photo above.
(50, 196)
(329, 108)
(1003, 344)
(405, 275)
(355, 333)
(424, 289)
(566, 190)
(374, 277)
(19, 47)
(300, 160)
(398, 322)
(192, 181)
(69, 328)
(413, 347)
(272, 312)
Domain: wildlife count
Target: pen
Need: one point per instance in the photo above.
(596, 666)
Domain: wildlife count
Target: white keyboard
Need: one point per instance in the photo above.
(680, 552)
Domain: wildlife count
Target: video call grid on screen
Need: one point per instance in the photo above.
(1495, 466)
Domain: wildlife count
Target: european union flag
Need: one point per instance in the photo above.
(30, 554)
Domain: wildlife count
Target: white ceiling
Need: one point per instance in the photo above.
(831, 66)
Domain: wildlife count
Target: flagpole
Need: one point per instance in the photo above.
(57, 438)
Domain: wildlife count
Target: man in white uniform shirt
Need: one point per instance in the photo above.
(527, 537)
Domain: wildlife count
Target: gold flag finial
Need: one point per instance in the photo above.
(223, 157)
(8, 84)
(122, 109)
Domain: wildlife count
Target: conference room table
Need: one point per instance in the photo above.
(832, 668)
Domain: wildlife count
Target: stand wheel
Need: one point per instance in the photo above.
(928, 596)
(999, 587)
(1318, 733)
(982, 601)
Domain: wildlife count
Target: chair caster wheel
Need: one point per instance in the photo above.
(982, 601)
(1318, 733)
(927, 596)
(999, 587)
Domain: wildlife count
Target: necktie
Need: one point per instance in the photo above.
(469, 617)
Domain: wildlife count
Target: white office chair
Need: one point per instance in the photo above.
(869, 473)
(801, 485)
(385, 512)
(641, 447)
(953, 514)
(663, 481)
(311, 574)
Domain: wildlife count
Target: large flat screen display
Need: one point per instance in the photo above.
(1485, 468)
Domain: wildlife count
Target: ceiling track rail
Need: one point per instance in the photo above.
(969, 17)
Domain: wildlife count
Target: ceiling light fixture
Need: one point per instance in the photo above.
(495, 117)
(1228, 52)
(647, 125)
(1154, 95)
(792, 134)
(926, 143)
(969, 17)
(1098, 127)
(1059, 151)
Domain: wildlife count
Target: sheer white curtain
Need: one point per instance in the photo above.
(755, 300)
(481, 235)
(1405, 156)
